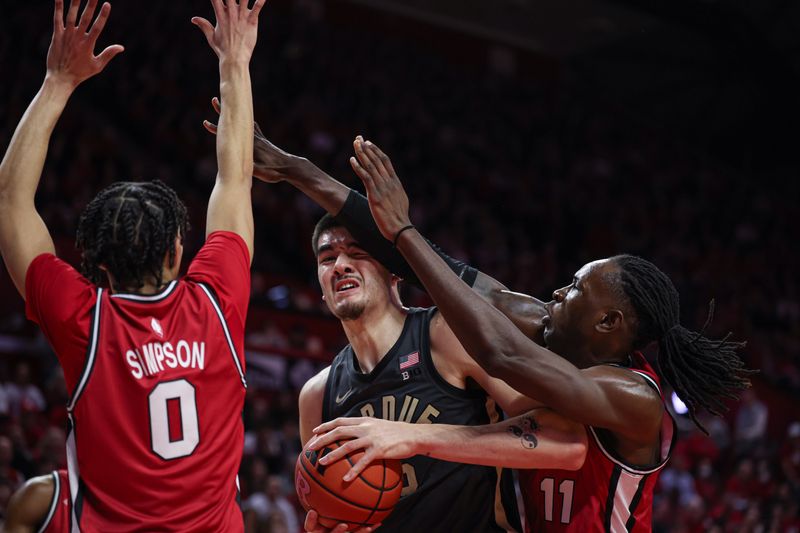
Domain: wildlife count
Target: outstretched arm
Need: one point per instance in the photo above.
(70, 61)
(230, 206)
(600, 396)
(538, 439)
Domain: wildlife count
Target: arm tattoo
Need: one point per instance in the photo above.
(526, 433)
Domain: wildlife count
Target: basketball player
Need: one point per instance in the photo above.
(405, 364)
(147, 359)
(611, 309)
(42, 505)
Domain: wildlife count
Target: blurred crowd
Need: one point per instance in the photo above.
(523, 177)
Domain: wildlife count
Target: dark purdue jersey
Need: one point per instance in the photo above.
(438, 496)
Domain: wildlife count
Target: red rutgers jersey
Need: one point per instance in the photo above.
(157, 388)
(58, 514)
(606, 494)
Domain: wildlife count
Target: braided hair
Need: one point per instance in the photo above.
(129, 228)
(703, 372)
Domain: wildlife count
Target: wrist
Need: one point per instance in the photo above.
(58, 86)
(231, 62)
(402, 232)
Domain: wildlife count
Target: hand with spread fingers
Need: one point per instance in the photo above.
(380, 439)
(388, 201)
(71, 59)
(270, 163)
(311, 526)
(234, 37)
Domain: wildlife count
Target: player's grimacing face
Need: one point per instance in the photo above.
(350, 279)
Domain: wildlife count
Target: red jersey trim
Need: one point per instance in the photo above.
(227, 333)
(149, 297)
(53, 503)
(94, 328)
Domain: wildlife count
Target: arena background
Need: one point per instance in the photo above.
(531, 136)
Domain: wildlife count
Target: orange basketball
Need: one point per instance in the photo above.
(365, 501)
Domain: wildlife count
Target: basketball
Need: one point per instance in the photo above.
(365, 501)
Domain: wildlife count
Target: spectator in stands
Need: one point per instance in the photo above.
(751, 423)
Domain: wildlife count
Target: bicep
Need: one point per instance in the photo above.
(230, 209)
(28, 507)
(310, 405)
(23, 237)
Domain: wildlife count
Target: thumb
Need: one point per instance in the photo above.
(206, 27)
(108, 54)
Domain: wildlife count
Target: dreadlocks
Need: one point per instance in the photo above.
(128, 228)
(702, 371)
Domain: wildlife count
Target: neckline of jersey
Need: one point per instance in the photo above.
(368, 377)
(148, 297)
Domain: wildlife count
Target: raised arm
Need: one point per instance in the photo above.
(599, 396)
(70, 61)
(538, 439)
(233, 39)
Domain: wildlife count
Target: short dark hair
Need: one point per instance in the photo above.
(128, 228)
(702, 371)
(325, 223)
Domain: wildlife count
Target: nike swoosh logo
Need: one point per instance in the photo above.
(340, 399)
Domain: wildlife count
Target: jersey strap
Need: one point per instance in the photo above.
(94, 333)
(224, 324)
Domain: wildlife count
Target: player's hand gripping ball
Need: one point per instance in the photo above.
(365, 501)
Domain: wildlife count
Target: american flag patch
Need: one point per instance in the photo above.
(409, 360)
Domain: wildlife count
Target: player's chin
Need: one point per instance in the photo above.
(349, 309)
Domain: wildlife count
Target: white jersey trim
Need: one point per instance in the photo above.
(627, 487)
(668, 447)
(149, 297)
(227, 332)
(90, 357)
(53, 503)
(73, 473)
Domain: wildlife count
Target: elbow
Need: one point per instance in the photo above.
(575, 450)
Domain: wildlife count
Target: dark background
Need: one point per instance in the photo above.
(532, 137)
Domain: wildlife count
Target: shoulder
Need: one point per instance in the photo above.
(632, 393)
(314, 388)
(29, 505)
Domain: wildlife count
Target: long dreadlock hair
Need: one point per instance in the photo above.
(128, 228)
(703, 372)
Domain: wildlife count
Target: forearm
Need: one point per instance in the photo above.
(537, 439)
(490, 338)
(327, 192)
(22, 165)
(235, 134)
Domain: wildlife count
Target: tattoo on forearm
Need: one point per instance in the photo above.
(526, 432)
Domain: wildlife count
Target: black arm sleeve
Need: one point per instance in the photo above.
(357, 218)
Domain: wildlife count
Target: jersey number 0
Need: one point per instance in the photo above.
(174, 431)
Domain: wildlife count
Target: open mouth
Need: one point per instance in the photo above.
(345, 285)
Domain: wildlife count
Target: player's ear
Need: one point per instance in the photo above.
(611, 320)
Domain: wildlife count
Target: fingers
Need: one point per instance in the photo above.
(58, 16)
(216, 105)
(341, 528)
(365, 177)
(210, 126)
(310, 523)
(343, 451)
(256, 9)
(333, 424)
(72, 14)
(108, 54)
(206, 27)
(219, 9)
(88, 14)
(100, 23)
(359, 467)
(371, 152)
(384, 159)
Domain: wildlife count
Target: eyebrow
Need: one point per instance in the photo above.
(328, 247)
